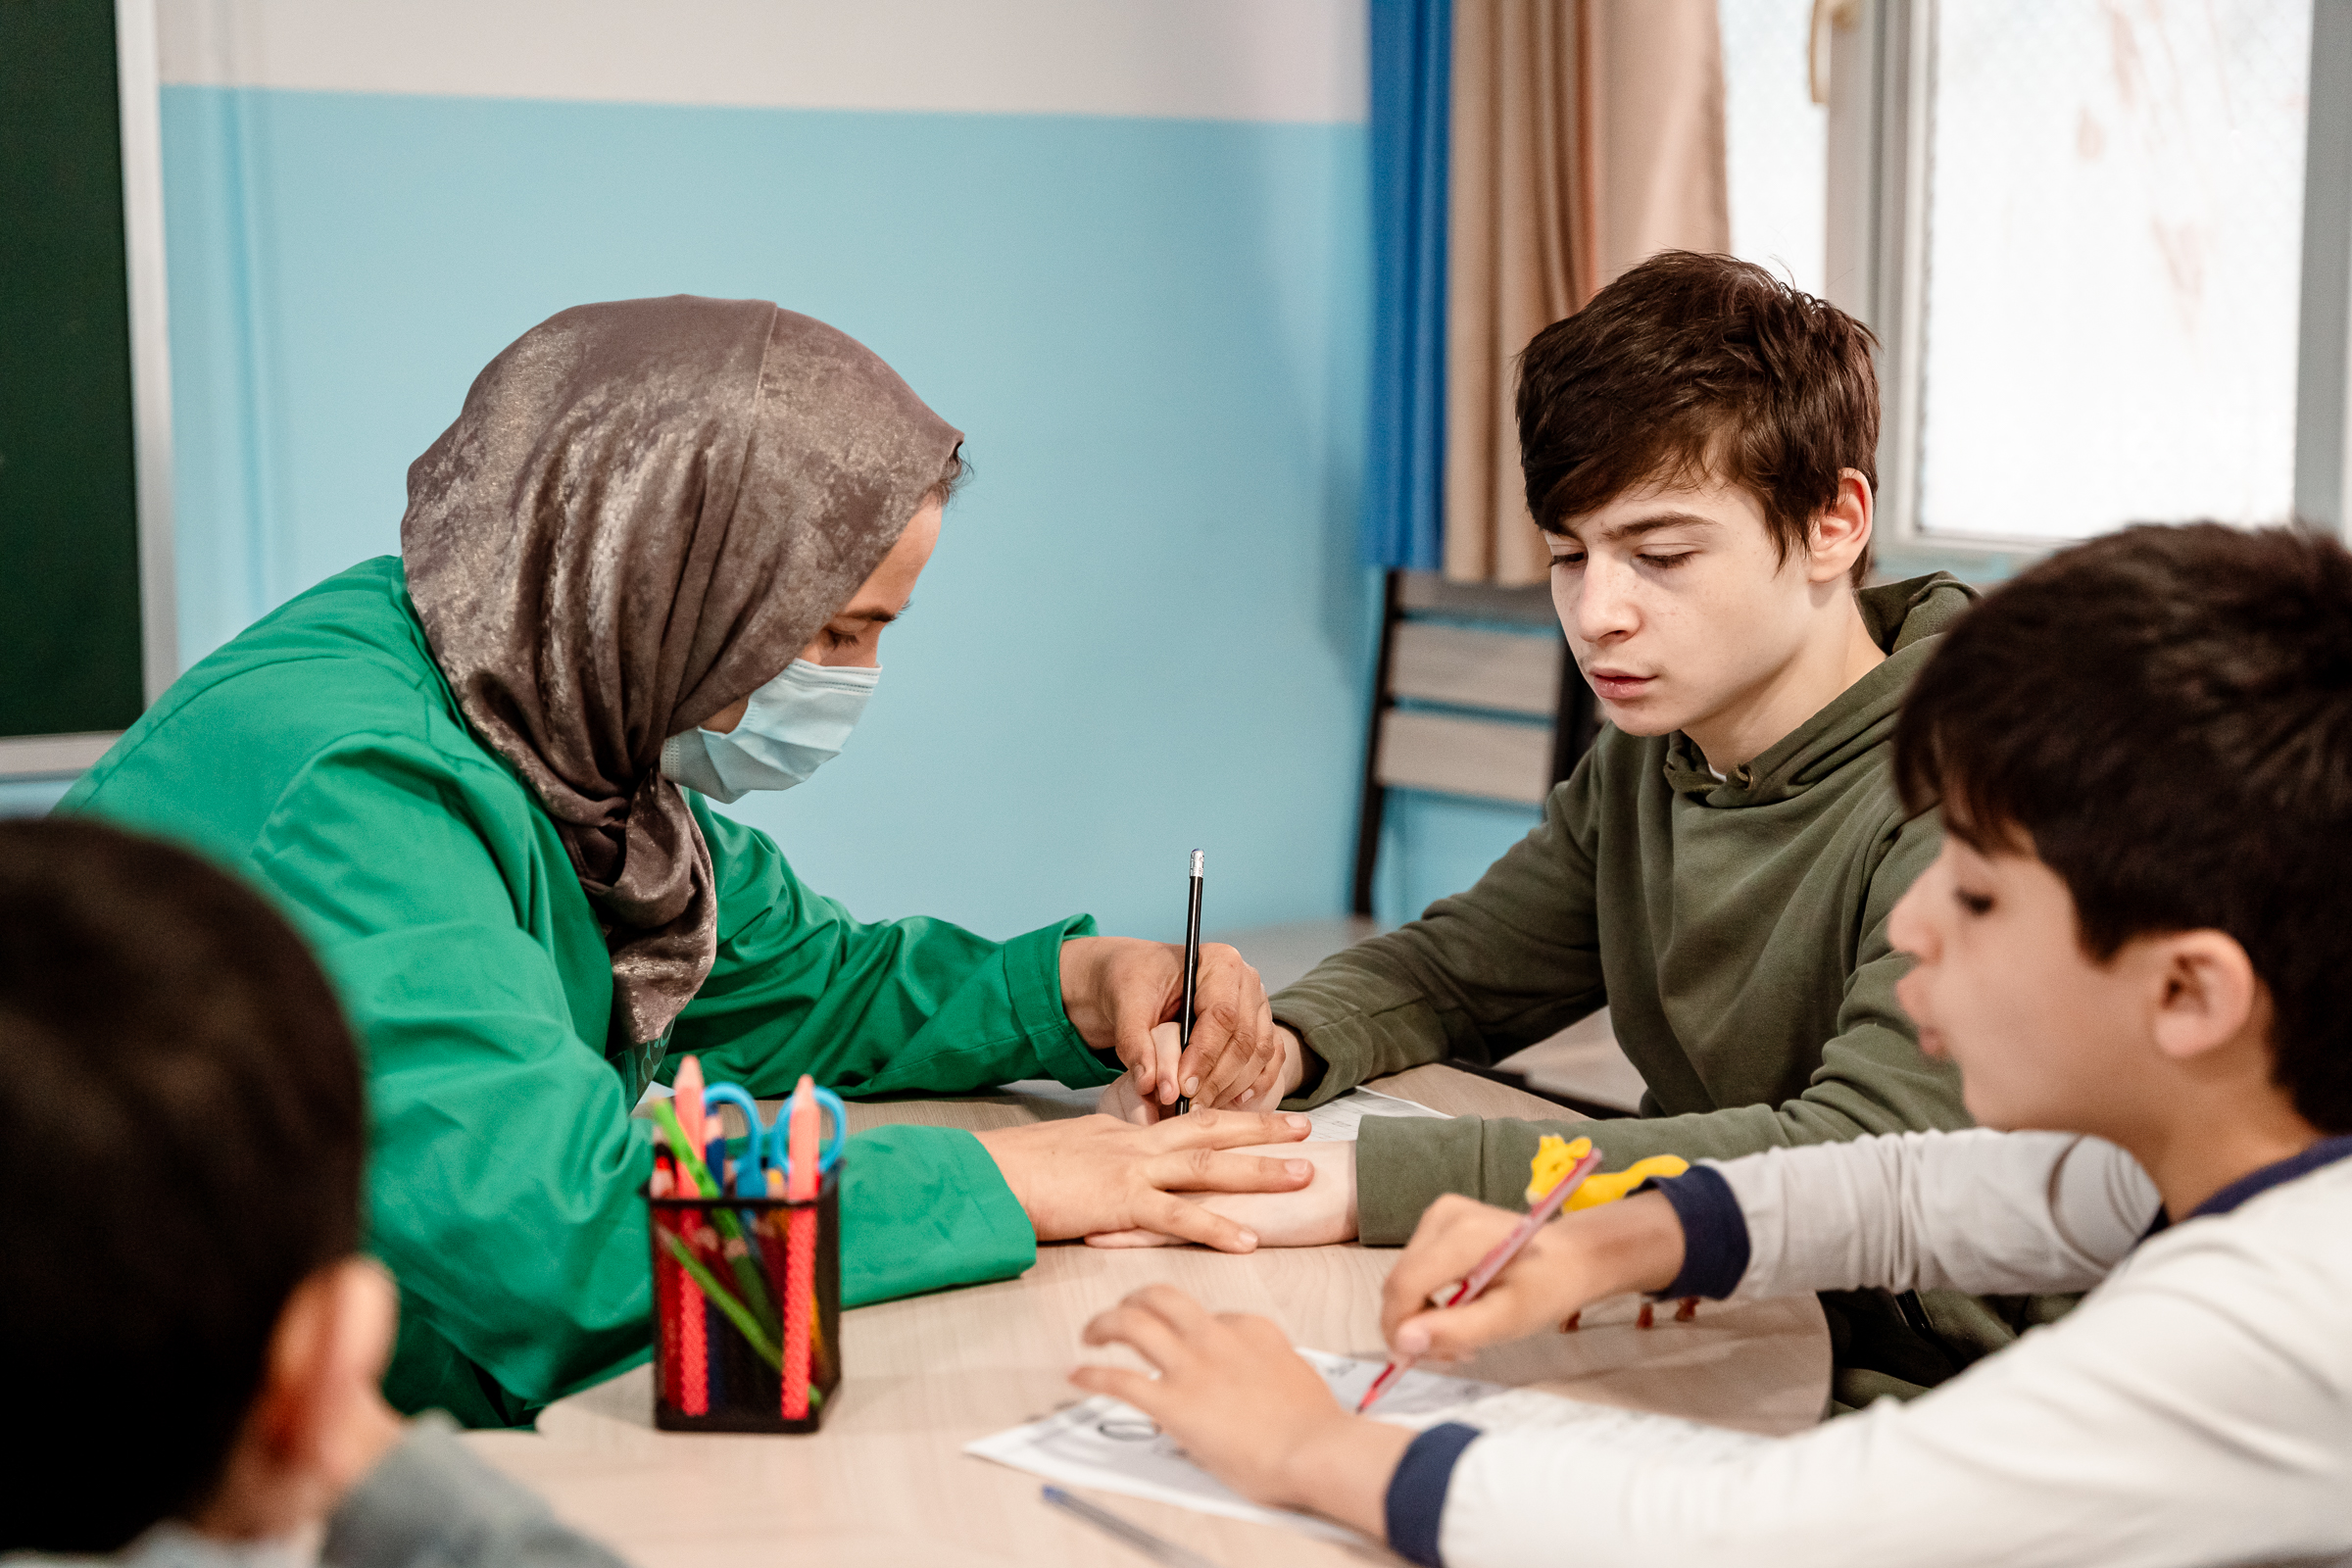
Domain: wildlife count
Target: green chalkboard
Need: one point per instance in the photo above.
(69, 650)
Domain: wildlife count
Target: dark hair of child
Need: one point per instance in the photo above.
(2164, 718)
(182, 1130)
(1690, 369)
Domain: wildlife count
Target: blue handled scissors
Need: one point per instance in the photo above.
(768, 1147)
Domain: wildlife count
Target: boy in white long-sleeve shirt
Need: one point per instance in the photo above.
(2131, 945)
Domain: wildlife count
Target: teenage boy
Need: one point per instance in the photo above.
(2143, 752)
(1699, 445)
(197, 1343)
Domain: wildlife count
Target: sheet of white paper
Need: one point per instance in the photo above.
(1337, 1118)
(1112, 1447)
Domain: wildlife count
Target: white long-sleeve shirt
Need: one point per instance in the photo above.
(2195, 1409)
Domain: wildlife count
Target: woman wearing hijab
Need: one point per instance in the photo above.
(654, 550)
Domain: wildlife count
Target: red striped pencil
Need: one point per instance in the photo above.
(691, 1313)
(799, 1248)
(665, 1282)
(692, 1393)
(664, 1184)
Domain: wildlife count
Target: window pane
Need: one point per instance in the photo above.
(2115, 231)
(1775, 138)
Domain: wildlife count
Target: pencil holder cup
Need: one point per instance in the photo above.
(747, 1311)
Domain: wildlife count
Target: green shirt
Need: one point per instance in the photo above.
(1736, 929)
(322, 755)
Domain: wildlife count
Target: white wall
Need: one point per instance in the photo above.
(1269, 61)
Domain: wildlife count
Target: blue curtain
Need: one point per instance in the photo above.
(1412, 64)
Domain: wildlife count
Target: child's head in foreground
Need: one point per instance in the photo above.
(1700, 443)
(2142, 749)
(181, 1138)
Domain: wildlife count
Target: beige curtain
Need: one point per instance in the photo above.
(1587, 135)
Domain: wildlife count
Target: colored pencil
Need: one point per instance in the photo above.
(696, 1180)
(693, 1393)
(800, 1183)
(719, 1296)
(683, 1153)
(666, 1309)
(687, 1102)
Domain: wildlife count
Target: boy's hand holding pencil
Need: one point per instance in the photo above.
(1579, 1258)
(1243, 1403)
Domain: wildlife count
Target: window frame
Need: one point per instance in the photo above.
(1882, 82)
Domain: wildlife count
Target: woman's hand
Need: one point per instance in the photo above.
(1247, 1407)
(1632, 1245)
(1321, 1212)
(1117, 989)
(1096, 1173)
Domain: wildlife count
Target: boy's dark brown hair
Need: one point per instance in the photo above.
(1695, 367)
(181, 1133)
(2164, 717)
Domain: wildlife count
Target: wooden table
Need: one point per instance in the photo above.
(885, 1481)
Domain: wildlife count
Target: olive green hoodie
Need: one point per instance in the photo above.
(1736, 929)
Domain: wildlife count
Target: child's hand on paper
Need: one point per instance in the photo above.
(1632, 1245)
(1247, 1407)
(1321, 1212)
(1092, 1173)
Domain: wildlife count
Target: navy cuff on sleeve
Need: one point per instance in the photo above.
(1714, 1231)
(1416, 1499)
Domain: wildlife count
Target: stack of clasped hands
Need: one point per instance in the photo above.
(1138, 1176)
(1256, 1415)
(1121, 994)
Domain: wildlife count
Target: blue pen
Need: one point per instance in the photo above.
(1118, 1529)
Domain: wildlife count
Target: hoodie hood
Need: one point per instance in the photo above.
(1905, 618)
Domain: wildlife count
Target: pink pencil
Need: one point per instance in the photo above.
(1494, 1262)
(688, 1088)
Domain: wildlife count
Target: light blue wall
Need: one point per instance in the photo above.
(1435, 845)
(1145, 629)
(31, 797)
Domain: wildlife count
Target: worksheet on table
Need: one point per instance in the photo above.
(1112, 1447)
(1339, 1117)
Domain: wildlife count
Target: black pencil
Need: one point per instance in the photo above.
(1192, 979)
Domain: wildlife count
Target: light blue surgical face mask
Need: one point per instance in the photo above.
(794, 725)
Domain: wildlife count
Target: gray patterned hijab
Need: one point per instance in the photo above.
(644, 512)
